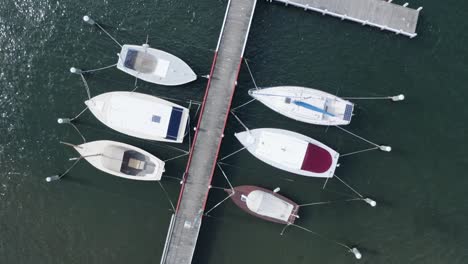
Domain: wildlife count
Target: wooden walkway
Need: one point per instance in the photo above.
(185, 224)
(378, 13)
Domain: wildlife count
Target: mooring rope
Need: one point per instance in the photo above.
(167, 196)
(244, 104)
(351, 188)
(98, 69)
(322, 236)
(250, 72)
(171, 177)
(351, 133)
(109, 35)
(77, 130)
(86, 85)
(235, 152)
(245, 127)
(359, 151)
(78, 115)
(229, 196)
(329, 202)
(176, 157)
(225, 176)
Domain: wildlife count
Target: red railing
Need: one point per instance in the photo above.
(196, 132)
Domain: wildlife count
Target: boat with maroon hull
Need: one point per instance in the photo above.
(265, 204)
(290, 151)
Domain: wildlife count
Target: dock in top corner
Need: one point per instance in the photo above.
(385, 15)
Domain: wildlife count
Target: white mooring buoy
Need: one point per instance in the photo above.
(356, 253)
(88, 20)
(399, 97)
(52, 178)
(277, 189)
(371, 202)
(75, 70)
(385, 148)
(63, 120)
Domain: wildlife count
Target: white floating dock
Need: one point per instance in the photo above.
(378, 13)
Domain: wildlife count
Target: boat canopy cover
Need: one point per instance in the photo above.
(136, 164)
(266, 204)
(140, 61)
(316, 159)
(174, 123)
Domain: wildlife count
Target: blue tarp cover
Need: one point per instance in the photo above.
(348, 112)
(130, 59)
(174, 123)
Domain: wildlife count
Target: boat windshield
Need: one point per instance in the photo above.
(136, 164)
(140, 61)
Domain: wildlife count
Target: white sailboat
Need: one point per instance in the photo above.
(122, 160)
(154, 66)
(290, 151)
(140, 115)
(306, 104)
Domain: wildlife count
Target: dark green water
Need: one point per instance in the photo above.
(91, 217)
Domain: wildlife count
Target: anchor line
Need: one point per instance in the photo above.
(109, 35)
(99, 69)
(242, 105)
(167, 195)
(363, 139)
(86, 85)
(322, 236)
(250, 72)
(351, 188)
(245, 127)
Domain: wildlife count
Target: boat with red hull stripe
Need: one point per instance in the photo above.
(265, 204)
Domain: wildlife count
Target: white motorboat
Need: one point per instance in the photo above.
(290, 151)
(140, 115)
(122, 160)
(306, 104)
(154, 66)
(265, 204)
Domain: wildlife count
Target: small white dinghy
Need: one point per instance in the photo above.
(306, 104)
(140, 115)
(290, 151)
(154, 66)
(122, 160)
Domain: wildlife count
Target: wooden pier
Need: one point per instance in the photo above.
(385, 15)
(185, 224)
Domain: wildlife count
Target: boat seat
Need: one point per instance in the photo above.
(136, 164)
